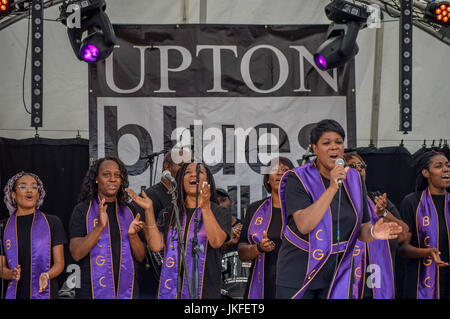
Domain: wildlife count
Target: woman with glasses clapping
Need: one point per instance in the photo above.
(33, 241)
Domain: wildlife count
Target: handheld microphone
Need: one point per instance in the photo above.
(166, 174)
(341, 162)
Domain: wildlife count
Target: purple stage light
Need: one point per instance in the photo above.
(89, 53)
(320, 62)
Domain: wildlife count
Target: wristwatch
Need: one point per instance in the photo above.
(385, 213)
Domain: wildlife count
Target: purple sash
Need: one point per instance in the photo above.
(171, 265)
(102, 270)
(320, 238)
(428, 235)
(380, 254)
(40, 253)
(259, 223)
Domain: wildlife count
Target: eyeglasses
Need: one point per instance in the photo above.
(361, 166)
(24, 188)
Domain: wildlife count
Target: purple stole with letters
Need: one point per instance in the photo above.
(428, 235)
(40, 253)
(320, 245)
(259, 223)
(380, 255)
(171, 265)
(101, 263)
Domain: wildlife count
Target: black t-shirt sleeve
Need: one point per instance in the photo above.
(296, 197)
(408, 213)
(2, 232)
(57, 230)
(77, 223)
(223, 218)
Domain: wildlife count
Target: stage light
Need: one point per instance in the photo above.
(93, 39)
(438, 12)
(6, 6)
(340, 45)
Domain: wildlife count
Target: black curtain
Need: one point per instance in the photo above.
(60, 164)
(389, 170)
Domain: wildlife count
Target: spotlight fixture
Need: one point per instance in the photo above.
(438, 12)
(93, 39)
(6, 7)
(340, 46)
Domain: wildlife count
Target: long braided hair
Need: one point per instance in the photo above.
(182, 193)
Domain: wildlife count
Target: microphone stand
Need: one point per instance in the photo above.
(195, 247)
(151, 159)
(181, 248)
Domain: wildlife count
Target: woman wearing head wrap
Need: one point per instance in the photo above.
(33, 241)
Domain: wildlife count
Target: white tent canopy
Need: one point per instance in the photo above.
(66, 78)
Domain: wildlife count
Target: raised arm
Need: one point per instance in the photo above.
(216, 235)
(154, 238)
(80, 247)
(307, 219)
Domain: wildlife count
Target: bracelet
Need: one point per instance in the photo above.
(150, 226)
(258, 247)
(385, 213)
(47, 275)
(371, 232)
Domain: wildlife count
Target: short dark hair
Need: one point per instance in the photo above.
(323, 126)
(283, 160)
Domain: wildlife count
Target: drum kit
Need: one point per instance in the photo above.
(235, 275)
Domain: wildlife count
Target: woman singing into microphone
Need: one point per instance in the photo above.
(324, 220)
(214, 229)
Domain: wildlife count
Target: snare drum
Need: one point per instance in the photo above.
(234, 275)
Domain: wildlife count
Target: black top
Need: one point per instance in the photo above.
(408, 210)
(293, 262)
(58, 237)
(270, 261)
(149, 270)
(77, 228)
(213, 264)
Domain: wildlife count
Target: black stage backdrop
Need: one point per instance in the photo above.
(61, 164)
